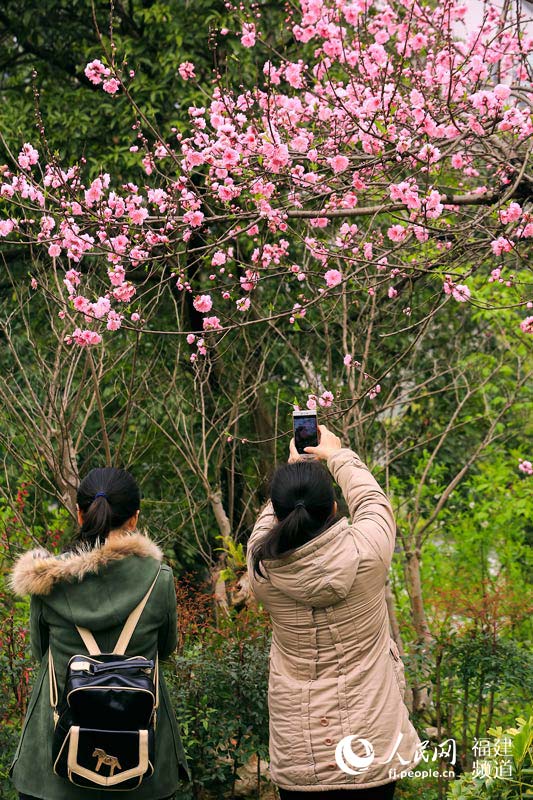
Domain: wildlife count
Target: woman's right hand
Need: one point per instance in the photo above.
(328, 444)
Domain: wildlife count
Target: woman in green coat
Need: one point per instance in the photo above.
(95, 584)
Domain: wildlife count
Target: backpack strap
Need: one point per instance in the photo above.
(53, 685)
(127, 631)
(89, 641)
(131, 623)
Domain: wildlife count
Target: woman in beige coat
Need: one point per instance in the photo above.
(339, 727)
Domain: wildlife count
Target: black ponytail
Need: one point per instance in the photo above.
(107, 498)
(303, 499)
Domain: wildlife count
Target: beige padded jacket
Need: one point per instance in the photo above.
(336, 677)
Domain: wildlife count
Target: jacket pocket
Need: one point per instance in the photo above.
(283, 713)
(398, 667)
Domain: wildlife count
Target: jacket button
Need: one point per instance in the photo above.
(331, 766)
(328, 741)
(324, 721)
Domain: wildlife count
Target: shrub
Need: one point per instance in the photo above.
(218, 683)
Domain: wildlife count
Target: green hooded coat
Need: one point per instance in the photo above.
(97, 589)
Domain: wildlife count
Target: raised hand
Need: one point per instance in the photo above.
(328, 444)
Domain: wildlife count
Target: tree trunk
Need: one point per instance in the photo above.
(63, 465)
(421, 700)
(218, 583)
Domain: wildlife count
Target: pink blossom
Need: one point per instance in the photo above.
(111, 86)
(186, 70)
(148, 164)
(124, 292)
(293, 75)
(460, 293)
(193, 218)
(6, 226)
(311, 402)
(502, 91)
(95, 71)
(418, 41)
(501, 245)
(47, 224)
(338, 163)
(273, 74)
(135, 317)
(448, 284)
(85, 338)
(94, 192)
(119, 243)
(429, 153)
(28, 156)
(392, 292)
(374, 391)
(218, 259)
(326, 399)
(433, 205)
(347, 360)
(101, 307)
(511, 214)
(203, 303)
(81, 303)
(138, 215)
(397, 233)
(525, 466)
(457, 161)
(114, 321)
(54, 250)
(405, 192)
(191, 338)
(277, 156)
(161, 150)
(249, 281)
(243, 303)
(73, 277)
(117, 275)
(211, 324)
(526, 326)
(333, 277)
(230, 157)
(248, 34)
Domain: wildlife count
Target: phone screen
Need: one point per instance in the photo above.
(305, 432)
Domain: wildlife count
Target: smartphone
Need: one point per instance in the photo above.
(305, 430)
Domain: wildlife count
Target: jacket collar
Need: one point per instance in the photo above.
(320, 572)
(38, 570)
(309, 548)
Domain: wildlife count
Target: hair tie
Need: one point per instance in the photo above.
(299, 504)
(100, 494)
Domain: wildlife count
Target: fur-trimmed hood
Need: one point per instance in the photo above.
(38, 571)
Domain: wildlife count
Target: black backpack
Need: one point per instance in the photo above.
(104, 727)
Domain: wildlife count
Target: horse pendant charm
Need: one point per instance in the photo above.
(109, 761)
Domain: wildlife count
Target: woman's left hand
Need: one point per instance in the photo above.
(294, 455)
